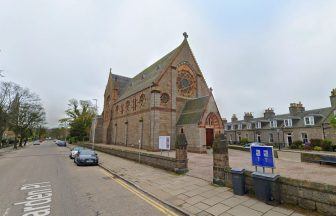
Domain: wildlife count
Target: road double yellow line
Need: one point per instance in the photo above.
(150, 201)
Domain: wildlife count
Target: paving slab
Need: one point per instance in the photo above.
(233, 201)
(273, 213)
(202, 206)
(218, 209)
(283, 210)
(243, 211)
(262, 207)
(195, 199)
(213, 200)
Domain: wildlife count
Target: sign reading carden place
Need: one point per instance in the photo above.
(262, 156)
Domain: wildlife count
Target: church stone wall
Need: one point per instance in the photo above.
(195, 137)
(131, 123)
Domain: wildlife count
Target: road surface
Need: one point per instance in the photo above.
(42, 180)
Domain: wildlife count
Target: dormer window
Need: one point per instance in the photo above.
(240, 126)
(258, 125)
(273, 124)
(288, 123)
(309, 120)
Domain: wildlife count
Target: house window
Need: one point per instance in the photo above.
(232, 127)
(271, 138)
(258, 138)
(309, 120)
(273, 124)
(247, 136)
(304, 137)
(288, 123)
(239, 137)
(249, 126)
(240, 126)
(258, 125)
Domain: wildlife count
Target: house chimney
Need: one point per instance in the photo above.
(234, 118)
(248, 116)
(296, 108)
(333, 98)
(269, 113)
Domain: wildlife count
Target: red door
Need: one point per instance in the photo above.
(209, 137)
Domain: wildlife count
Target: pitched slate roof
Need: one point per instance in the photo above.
(298, 120)
(122, 82)
(146, 78)
(193, 111)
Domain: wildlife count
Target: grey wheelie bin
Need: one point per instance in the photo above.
(266, 187)
(238, 181)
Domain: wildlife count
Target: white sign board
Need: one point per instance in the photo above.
(164, 142)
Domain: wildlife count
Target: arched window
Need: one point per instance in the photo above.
(212, 120)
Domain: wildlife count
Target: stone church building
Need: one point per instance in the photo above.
(169, 97)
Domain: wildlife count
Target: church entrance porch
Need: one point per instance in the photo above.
(209, 137)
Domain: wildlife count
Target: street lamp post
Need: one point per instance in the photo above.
(94, 125)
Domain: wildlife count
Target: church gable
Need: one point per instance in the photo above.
(211, 116)
(193, 111)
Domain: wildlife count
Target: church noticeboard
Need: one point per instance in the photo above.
(262, 156)
(164, 142)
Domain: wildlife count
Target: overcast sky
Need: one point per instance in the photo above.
(254, 54)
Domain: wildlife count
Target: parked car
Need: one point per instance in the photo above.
(248, 145)
(86, 157)
(36, 142)
(61, 143)
(74, 152)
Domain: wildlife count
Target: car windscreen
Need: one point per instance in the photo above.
(87, 152)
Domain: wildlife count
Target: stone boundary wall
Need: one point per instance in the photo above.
(310, 157)
(162, 162)
(308, 195)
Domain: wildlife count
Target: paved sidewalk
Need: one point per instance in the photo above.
(193, 195)
(288, 165)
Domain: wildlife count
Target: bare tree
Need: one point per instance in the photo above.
(21, 111)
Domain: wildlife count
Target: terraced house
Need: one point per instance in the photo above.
(171, 96)
(298, 124)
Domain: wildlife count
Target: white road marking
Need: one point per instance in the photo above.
(39, 196)
(6, 212)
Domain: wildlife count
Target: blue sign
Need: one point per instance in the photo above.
(262, 156)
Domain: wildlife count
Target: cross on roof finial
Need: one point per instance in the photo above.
(185, 35)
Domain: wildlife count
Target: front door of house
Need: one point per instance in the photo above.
(209, 137)
(289, 139)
